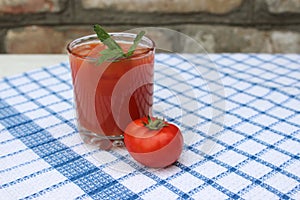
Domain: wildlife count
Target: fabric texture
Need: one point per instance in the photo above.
(241, 130)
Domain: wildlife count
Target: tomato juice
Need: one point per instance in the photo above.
(110, 95)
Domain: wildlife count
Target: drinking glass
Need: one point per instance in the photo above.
(109, 95)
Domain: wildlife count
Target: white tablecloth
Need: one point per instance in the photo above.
(252, 154)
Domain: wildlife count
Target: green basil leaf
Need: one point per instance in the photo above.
(135, 43)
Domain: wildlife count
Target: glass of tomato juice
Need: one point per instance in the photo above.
(108, 96)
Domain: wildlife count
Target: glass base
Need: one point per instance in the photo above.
(102, 141)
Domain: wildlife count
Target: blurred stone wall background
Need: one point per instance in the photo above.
(46, 26)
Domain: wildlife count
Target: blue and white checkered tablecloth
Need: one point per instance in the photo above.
(253, 155)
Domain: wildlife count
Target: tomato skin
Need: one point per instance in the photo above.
(153, 148)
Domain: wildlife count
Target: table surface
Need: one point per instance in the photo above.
(239, 114)
(17, 63)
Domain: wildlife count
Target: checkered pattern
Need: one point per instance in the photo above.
(253, 154)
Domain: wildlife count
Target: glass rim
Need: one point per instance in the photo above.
(94, 36)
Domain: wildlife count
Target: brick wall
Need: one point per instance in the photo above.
(46, 26)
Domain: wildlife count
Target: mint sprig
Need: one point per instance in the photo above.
(114, 50)
(135, 43)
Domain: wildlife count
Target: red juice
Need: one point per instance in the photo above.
(110, 95)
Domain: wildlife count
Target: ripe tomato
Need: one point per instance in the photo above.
(153, 142)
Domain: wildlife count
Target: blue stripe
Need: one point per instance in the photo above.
(64, 160)
(87, 176)
(243, 121)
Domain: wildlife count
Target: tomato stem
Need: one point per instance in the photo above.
(155, 124)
